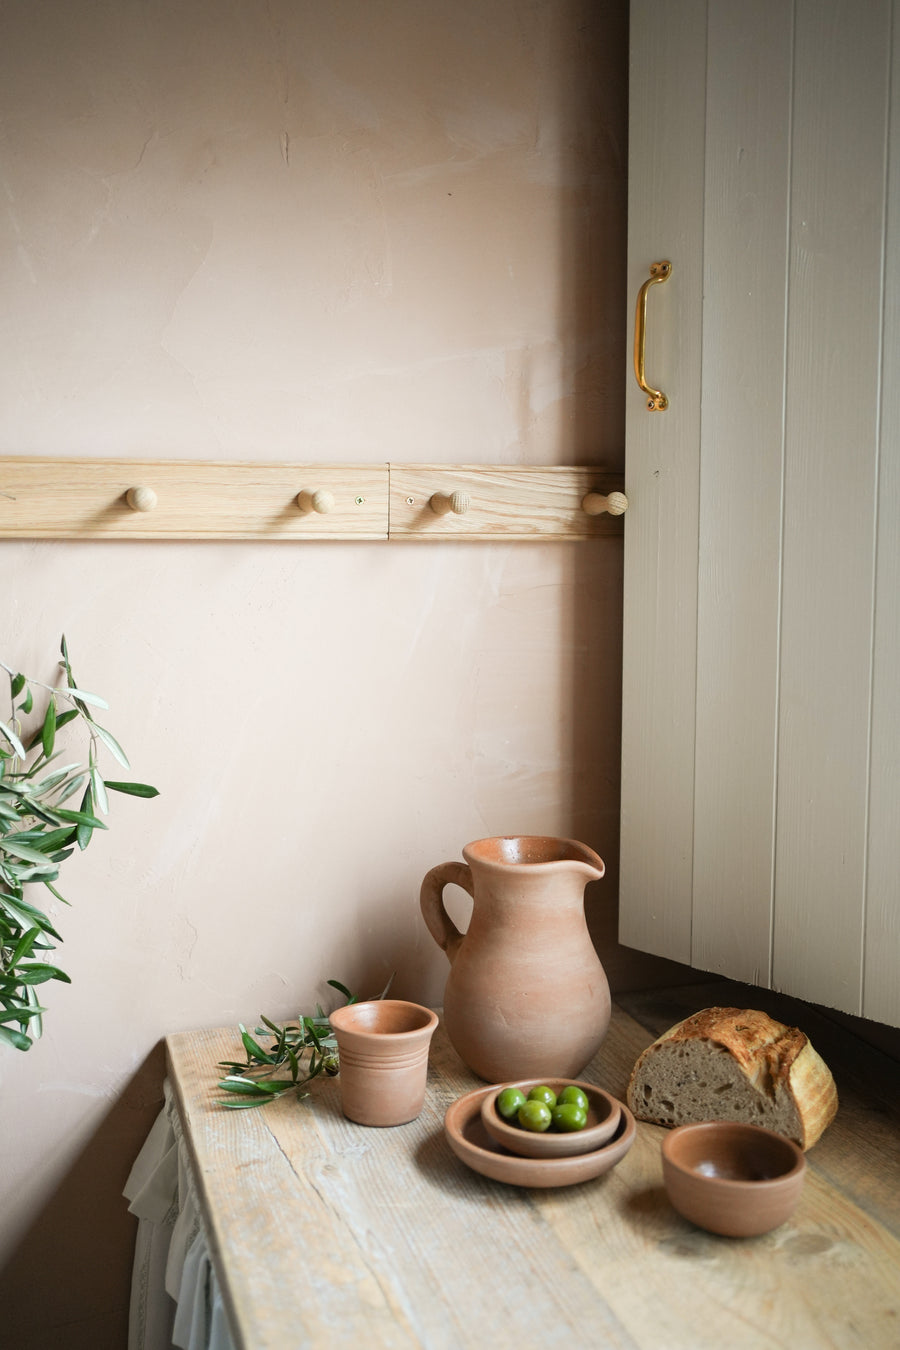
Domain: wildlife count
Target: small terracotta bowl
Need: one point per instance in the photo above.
(737, 1180)
(603, 1117)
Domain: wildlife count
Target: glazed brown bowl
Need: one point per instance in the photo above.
(603, 1117)
(737, 1180)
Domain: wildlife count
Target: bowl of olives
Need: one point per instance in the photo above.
(550, 1117)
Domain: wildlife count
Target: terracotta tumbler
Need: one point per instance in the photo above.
(383, 1049)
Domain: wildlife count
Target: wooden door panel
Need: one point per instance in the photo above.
(748, 102)
(761, 728)
(881, 984)
(662, 472)
(834, 339)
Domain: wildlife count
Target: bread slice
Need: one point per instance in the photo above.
(735, 1064)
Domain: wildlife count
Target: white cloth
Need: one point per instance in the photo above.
(175, 1296)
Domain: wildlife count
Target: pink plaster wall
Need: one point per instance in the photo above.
(335, 232)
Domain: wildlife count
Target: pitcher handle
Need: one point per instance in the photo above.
(431, 898)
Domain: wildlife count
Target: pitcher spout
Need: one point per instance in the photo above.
(534, 851)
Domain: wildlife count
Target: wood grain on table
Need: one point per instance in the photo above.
(325, 1233)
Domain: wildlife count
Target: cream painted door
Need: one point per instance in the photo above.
(761, 726)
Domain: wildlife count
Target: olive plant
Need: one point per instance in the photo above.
(38, 832)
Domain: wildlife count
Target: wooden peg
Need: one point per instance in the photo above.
(141, 498)
(321, 501)
(456, 503)
(594, 504)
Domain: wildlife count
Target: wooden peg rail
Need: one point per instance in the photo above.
(202, 499)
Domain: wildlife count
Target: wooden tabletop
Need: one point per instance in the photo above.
(324, 1233)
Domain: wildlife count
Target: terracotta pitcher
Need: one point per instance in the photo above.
(526, 996)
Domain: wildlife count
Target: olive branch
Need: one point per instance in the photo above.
(38, 832)
(252, 1078)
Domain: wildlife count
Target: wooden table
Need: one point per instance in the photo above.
(324, 1233)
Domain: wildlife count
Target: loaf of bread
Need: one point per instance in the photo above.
(735, 1064)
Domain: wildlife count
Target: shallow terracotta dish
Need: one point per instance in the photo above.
(471, 1143)
(603, 1117)
(737, 1180)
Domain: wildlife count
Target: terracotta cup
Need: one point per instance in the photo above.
(383, 1049)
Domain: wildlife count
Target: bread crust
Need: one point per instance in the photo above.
(777, 1061)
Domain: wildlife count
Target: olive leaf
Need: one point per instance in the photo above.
(48, 729)
(111, 744)
(13, 740)
(38, 833)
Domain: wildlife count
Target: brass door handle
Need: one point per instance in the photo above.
(656, 399)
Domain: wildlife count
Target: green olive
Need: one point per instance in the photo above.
(509, 1101)
(574, 1095)
(568, 1117)
(535, 1116)
(544, 1094)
